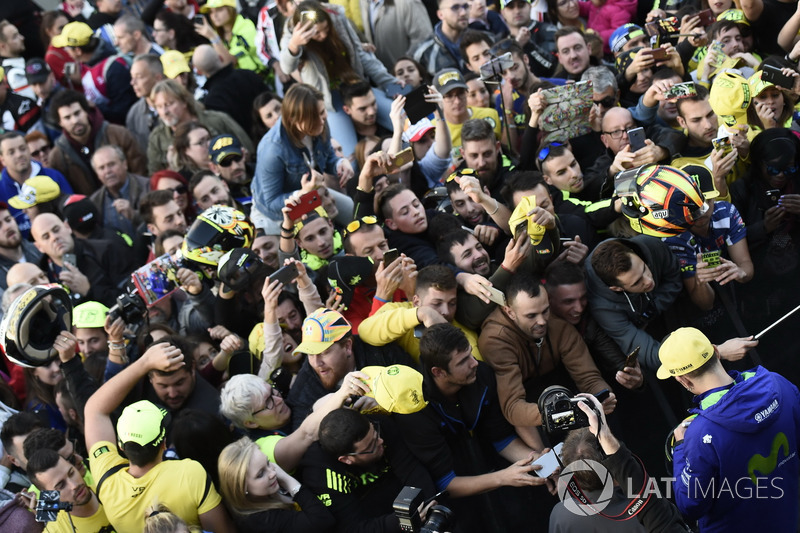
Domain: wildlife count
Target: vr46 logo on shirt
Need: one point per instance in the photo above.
(137, 491)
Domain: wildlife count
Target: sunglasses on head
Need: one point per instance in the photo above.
(459, 173)
(544, 153)
(356, 224)
(228, 161)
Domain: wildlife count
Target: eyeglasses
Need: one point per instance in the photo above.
(180, 189)
(616, 134)
(377, 427)
(363, 221)
(455, 8)
(269, 403)
(228, 161)
(608, 102)
(544, 153)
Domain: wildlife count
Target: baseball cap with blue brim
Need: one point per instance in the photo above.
(321, 329)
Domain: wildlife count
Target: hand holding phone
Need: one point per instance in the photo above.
(305, 204)
(389, 257)
(285, 274)
(630, 361)
(636, 138)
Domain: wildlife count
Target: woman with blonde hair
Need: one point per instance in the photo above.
(232, 35)
(160, 519)
(262, 497)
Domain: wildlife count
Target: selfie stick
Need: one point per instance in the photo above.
(781, 319)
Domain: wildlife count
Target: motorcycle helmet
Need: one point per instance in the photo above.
(32, 323)
(659, 200)
(217, 230)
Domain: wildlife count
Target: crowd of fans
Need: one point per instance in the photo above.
(389, 226)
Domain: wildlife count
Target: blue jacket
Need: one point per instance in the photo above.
(280, 166)
(9, 188)
(743, 447)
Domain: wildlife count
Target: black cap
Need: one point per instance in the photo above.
(240, 267)
(347, 272)
(37, 70)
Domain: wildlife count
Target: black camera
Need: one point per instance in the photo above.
(560, 411)
(406, 509)
(129, 306)
(48, 506)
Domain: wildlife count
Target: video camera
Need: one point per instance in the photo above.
(48, 506)
(560, 411)
(406, 509)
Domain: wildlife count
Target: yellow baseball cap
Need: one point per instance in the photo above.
(520, 215)
(143, 423)
(683, 351)
(734, 15)
(217, 3)
(73, 34)
(730, 96)
(321, 329)
(757, 85)
(89, 315)
(396, 388)
(174, 63)
(36, 190)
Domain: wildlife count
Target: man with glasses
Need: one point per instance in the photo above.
(441, 51)
(536, 38)
(358, 468)
(119, 198)
(15, 157)
(452, 437)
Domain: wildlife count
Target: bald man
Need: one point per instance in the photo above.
(26, 273)
(659, 146)
(97, 271)
(229, 90)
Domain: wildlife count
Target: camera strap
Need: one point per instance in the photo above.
(635, 505)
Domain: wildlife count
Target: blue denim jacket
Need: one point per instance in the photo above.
(280, 167)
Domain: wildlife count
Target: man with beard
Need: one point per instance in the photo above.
(228, 160)
(208, 189)
(49, 471)
(12, 48)
(462, 249)
(530, 350)
(333, 352)
(481, 152)
(83, 132)
(441, 50)
(13, 249)
(16, 158)
(701, 124)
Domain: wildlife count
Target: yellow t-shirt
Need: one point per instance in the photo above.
(183, 486)
(487, 114)
(97, 523)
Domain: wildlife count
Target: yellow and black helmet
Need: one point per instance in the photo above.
(217, 230)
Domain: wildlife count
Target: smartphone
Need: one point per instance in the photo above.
(199, 19)
(307, 203)
(681, 90)
(521, 229)
(308, 15)
(636, 139)
(722, 143)
(496, 296)
(712, 258)
(564, 239)
(659, 54)
(630, 361)
(775, 76)
(285, 274)
(389, 257)
(70, 69)
(549, 461)
(70, 259)
(394, 89)
(401, 158)
(773, 195)
(707, 18)
(417, 107)
(494, 68)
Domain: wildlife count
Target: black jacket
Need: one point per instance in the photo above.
(232, 91)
